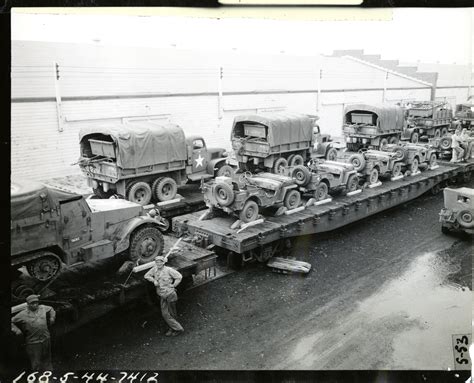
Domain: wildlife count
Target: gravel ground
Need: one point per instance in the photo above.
(384, 293)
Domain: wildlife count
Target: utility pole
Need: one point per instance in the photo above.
(385, 87)
(58, 96)
(320, 77)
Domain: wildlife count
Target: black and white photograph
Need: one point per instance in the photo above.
(221, 191)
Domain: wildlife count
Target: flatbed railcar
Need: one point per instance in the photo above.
(263, 240)
(83, 294)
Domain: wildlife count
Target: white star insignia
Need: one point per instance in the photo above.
(199, 160)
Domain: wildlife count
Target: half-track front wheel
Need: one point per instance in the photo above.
(146, 243)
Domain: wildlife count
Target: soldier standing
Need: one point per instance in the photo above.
(33, 322)
(166, 279)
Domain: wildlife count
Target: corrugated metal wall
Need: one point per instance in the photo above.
(101, 84)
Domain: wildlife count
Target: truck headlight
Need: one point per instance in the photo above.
(365, 140)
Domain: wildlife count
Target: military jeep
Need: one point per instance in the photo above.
(414, 155)
(458, 211)
(379, 164)
(321, 178)
(50, 227)
(249, 193)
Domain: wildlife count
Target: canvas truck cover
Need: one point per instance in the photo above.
(141, 143)
(282, 128)
(29, 199)
(391, 117)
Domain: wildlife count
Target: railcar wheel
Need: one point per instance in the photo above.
(249, 212)
(139, 192)
(147, 243)
(292, 199)
(166, 189)
(45, 267)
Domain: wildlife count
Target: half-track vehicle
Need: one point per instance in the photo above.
(141, 161)
(464, 113)
(458, 211)
(372, 126)
(50, 227)
(414, 155)
(380, 163)
(427, 118)
(272, 142)
(321, 178)
(250, 193)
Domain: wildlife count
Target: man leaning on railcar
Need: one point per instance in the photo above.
(33, 322)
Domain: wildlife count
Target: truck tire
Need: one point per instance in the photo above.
(296, 160)
(331, 154)
(225, 171)
(393, 140)
(383, 142)
(279, 164)
(139, 192)
(444, 131)
(414, 138)
(437, 133)
(465, 219)
(445, 143)
(224, 194)
(146, 243)
(249, 212)
(414, 165)
(352, 183)
(166, 189)
(321, 191)
(374, 176)
(292, 199)
(397, 169)
(357, 160)
(154, 186)
(433, 160)
(301, 175)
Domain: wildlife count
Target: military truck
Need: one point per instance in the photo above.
(372, 126)
(141, 161)
(50, 227)
(458, 211)
(250, 193)
(272, 142)
(464, 113)
(321, 178)
(323, 145)
(427, 118)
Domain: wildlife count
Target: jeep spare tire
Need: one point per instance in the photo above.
(301, 175)
(445, 143)
(223, 194)
(146, 243)
(465, 219)
(249, 212)
(166, 189)
(357, 160)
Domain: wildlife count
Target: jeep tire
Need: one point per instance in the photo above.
(249, 212)
(321, 191)
(292, 199)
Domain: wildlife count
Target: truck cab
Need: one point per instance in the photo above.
(202, 162)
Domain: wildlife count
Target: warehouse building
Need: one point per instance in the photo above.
(59, 87)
